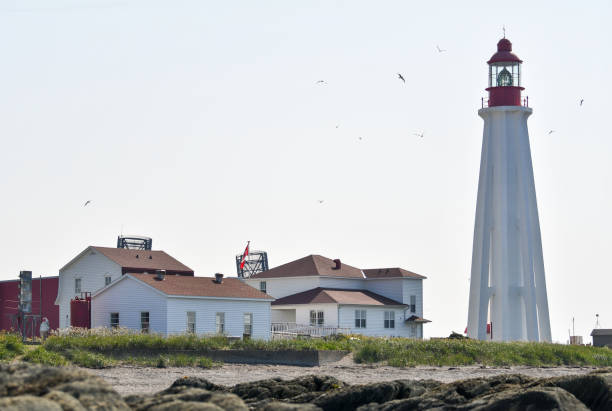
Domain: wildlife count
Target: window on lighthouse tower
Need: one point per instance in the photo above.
(504, 78)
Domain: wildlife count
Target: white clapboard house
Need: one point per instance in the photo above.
(320, 292)
(96, 267)
(174, 304)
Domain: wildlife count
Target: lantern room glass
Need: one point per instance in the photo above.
(505, 74)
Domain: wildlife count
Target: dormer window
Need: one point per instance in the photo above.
(107, 280)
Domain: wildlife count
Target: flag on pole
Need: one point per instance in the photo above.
(244, 255)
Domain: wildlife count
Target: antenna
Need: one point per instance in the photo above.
(504, 30)
(597, 321)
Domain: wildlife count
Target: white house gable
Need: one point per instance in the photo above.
(130, 298)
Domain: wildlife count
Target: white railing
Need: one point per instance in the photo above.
(291, 330)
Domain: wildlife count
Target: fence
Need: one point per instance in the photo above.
(292, 330)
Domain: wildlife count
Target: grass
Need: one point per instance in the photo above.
(10, 346)
(402, 352)
(99, 351)
(41, 356)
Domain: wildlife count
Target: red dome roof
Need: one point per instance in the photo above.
(504, 53)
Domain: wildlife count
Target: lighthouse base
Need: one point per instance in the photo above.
(508, 286)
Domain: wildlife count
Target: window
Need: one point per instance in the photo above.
(248, 325)
(389, 319)
(114, 320)
(360, 318)
(77, 286)
(413, 330)
(220, 322)
(413, 303)
(144, 322)
(262, 286)
(316, 318)
(191, 324)
(107, 280)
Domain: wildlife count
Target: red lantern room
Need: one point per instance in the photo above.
(504, 76)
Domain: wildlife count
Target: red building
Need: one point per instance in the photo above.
(44, 289)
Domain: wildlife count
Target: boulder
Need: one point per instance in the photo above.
(25, 386)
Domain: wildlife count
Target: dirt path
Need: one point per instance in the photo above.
(139, 380)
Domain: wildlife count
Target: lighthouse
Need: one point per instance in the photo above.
(508, 300)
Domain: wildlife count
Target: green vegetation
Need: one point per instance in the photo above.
(401, 352)
(10, 346)
(98, 351)
(41, 356)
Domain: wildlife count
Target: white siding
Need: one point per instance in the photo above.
(282, 287)
(206, 309)
(390, 288)
(414, 287)
(349, 283)
(91, 268)
(129, 298)
(283, 316)
(302, 313)
(375, 325)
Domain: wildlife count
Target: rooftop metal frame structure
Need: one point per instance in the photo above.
(255, 262)
(134, 242)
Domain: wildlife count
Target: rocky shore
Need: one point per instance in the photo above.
(32, 387)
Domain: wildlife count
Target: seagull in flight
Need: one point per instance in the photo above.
(419, 135)
(440, 50)
(86, 202)
(320, 82)
(399, 75)
(550, 132)
(360, 138)
(581, 101)
(320, 201)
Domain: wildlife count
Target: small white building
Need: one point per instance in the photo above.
(318, 291)
(174, 304)
(96, 267)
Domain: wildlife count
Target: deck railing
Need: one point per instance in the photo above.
(292, 330)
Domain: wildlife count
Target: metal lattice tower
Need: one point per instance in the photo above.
(255, 262)
(134, 242)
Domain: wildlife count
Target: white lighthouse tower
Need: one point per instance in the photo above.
(508, 299)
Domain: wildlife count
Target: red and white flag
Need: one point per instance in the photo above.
(244, 255)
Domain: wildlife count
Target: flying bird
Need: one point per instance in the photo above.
(581, 101)
(360, 138)
(419, 135)
(399, 75)
(320, 82)
(321, 201)
(86, 202)
(551, 131)
(440, 50)
(337, 125)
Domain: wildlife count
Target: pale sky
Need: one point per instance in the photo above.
(200, 124)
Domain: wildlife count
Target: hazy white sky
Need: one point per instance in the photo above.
(200, 124)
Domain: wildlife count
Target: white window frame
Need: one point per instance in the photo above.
(248, 325)
(145, 329)
(317, 318)
(389, 319)
(220, 322)
(360, 319)
(115, 324)
(191, 322)
(263, 287)
(78, 285)
(414, 331)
